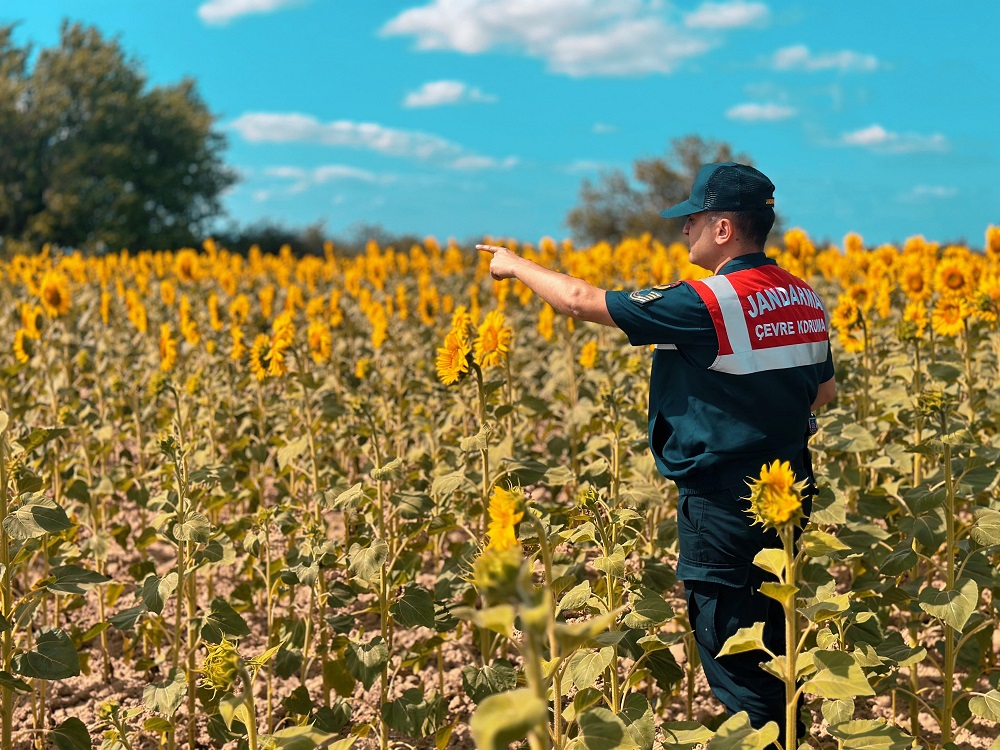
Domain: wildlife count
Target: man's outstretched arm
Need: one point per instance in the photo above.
(567, 295)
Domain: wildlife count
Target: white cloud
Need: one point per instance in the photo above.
(293, 127)
(603, 128)
(726, 15)
(757, 112)
(880, 140)
(221, 12)
(923, 193)
(574, 37)
(438, 93)
(798, 57)
(303, 179)
(585, 165)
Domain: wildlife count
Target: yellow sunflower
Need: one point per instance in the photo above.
(453, 358)
(320, 341)
(493, 340)
(54, 294)
(239, 348)
(22, 347)
(588, 356)
(953, 277)
(506, 509)
(948, 318)
(775, 496)
(168, 348)
(259, 364)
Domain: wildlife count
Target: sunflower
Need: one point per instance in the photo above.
(546, 322)
(168, 348)
(950, 313)
(775, 496)
(992, 245)
(239, 310)
(284, 336)
(136, 311)
(588, 356)
(320, 341)
(213, 312)
(493, 340)
(915, 313)
(22, 347)
(168, 292)
(259, 364)
(186, 267)
(914, 282)
(54, 294)
(453, 358)
(239, 348)
(506, 509)
(31, 315)
(953, 277)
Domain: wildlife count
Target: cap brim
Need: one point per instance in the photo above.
(681, 209)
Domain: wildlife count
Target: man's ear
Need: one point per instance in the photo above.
(723, 230)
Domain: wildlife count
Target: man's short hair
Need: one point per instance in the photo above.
(751, 226)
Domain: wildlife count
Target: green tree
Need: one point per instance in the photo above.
(616, 207)
(98, 158)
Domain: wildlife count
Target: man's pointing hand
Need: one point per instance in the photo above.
(502, 264)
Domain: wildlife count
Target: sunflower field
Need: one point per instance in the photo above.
(385, 501)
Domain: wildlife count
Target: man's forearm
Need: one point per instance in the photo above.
(567, 295)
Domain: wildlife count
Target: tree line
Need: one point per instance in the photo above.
(93, 157)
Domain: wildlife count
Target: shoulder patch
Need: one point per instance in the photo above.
(671, 285)
(645, 296)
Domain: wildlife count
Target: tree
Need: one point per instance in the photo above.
(617, 207)
(97, 159)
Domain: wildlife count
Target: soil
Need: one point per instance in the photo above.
(82, 696)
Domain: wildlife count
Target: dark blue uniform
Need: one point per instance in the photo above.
(709, 431)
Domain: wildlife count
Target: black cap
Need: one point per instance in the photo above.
(725, 187)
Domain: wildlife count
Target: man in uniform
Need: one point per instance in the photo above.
(742, 359)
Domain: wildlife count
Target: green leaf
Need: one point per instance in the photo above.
(40, 436)
(745, 639)
(585, 666)
(388, 471)
(508, 717)
(837, 676)
(576, 598)
(72, 734)
(650, 611)
(820, 544)
(827, 608)
(858, 439)
(366, 562)
(986, 529)
(196, 528)
(127, 618)
(4, 421)
(8, 680)
(445, 486)
(780, 592)
(347, 498)
(953, 606)
(737, 734)
(290, 451)
(838, 711)
(155, 591)
(36, 517)
(684, 735)
(612, 565)
(986, 706)
(638, 717)
(366, 660)
(72, 579)
(600, 729)
(478, 441)
(167, 696)
(414, 715)
(479, 683)
(222, 620)
(415, 607)
(871, 734)
(54, 657)
(772, 560)
(900, 560)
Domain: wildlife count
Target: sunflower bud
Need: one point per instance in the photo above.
(221, 666)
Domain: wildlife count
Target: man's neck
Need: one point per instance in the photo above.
(734, 254)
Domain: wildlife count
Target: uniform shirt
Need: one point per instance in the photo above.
(710, 429)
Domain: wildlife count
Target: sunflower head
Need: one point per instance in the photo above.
(493, 340)
(775, 496)
(506, 509)
(221, 666)
(453, 358)
(54, 294)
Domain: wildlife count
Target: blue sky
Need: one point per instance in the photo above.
(464, 118)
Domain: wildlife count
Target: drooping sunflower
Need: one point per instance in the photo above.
(22, 346)
(259, 363)
(31, 315)
(54, 294)
(775, 496)
(506, 509)
(239, 348)
(168, 348)
(453, 358)
(493, 340)
(283, 330)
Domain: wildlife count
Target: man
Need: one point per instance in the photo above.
(741, 360)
